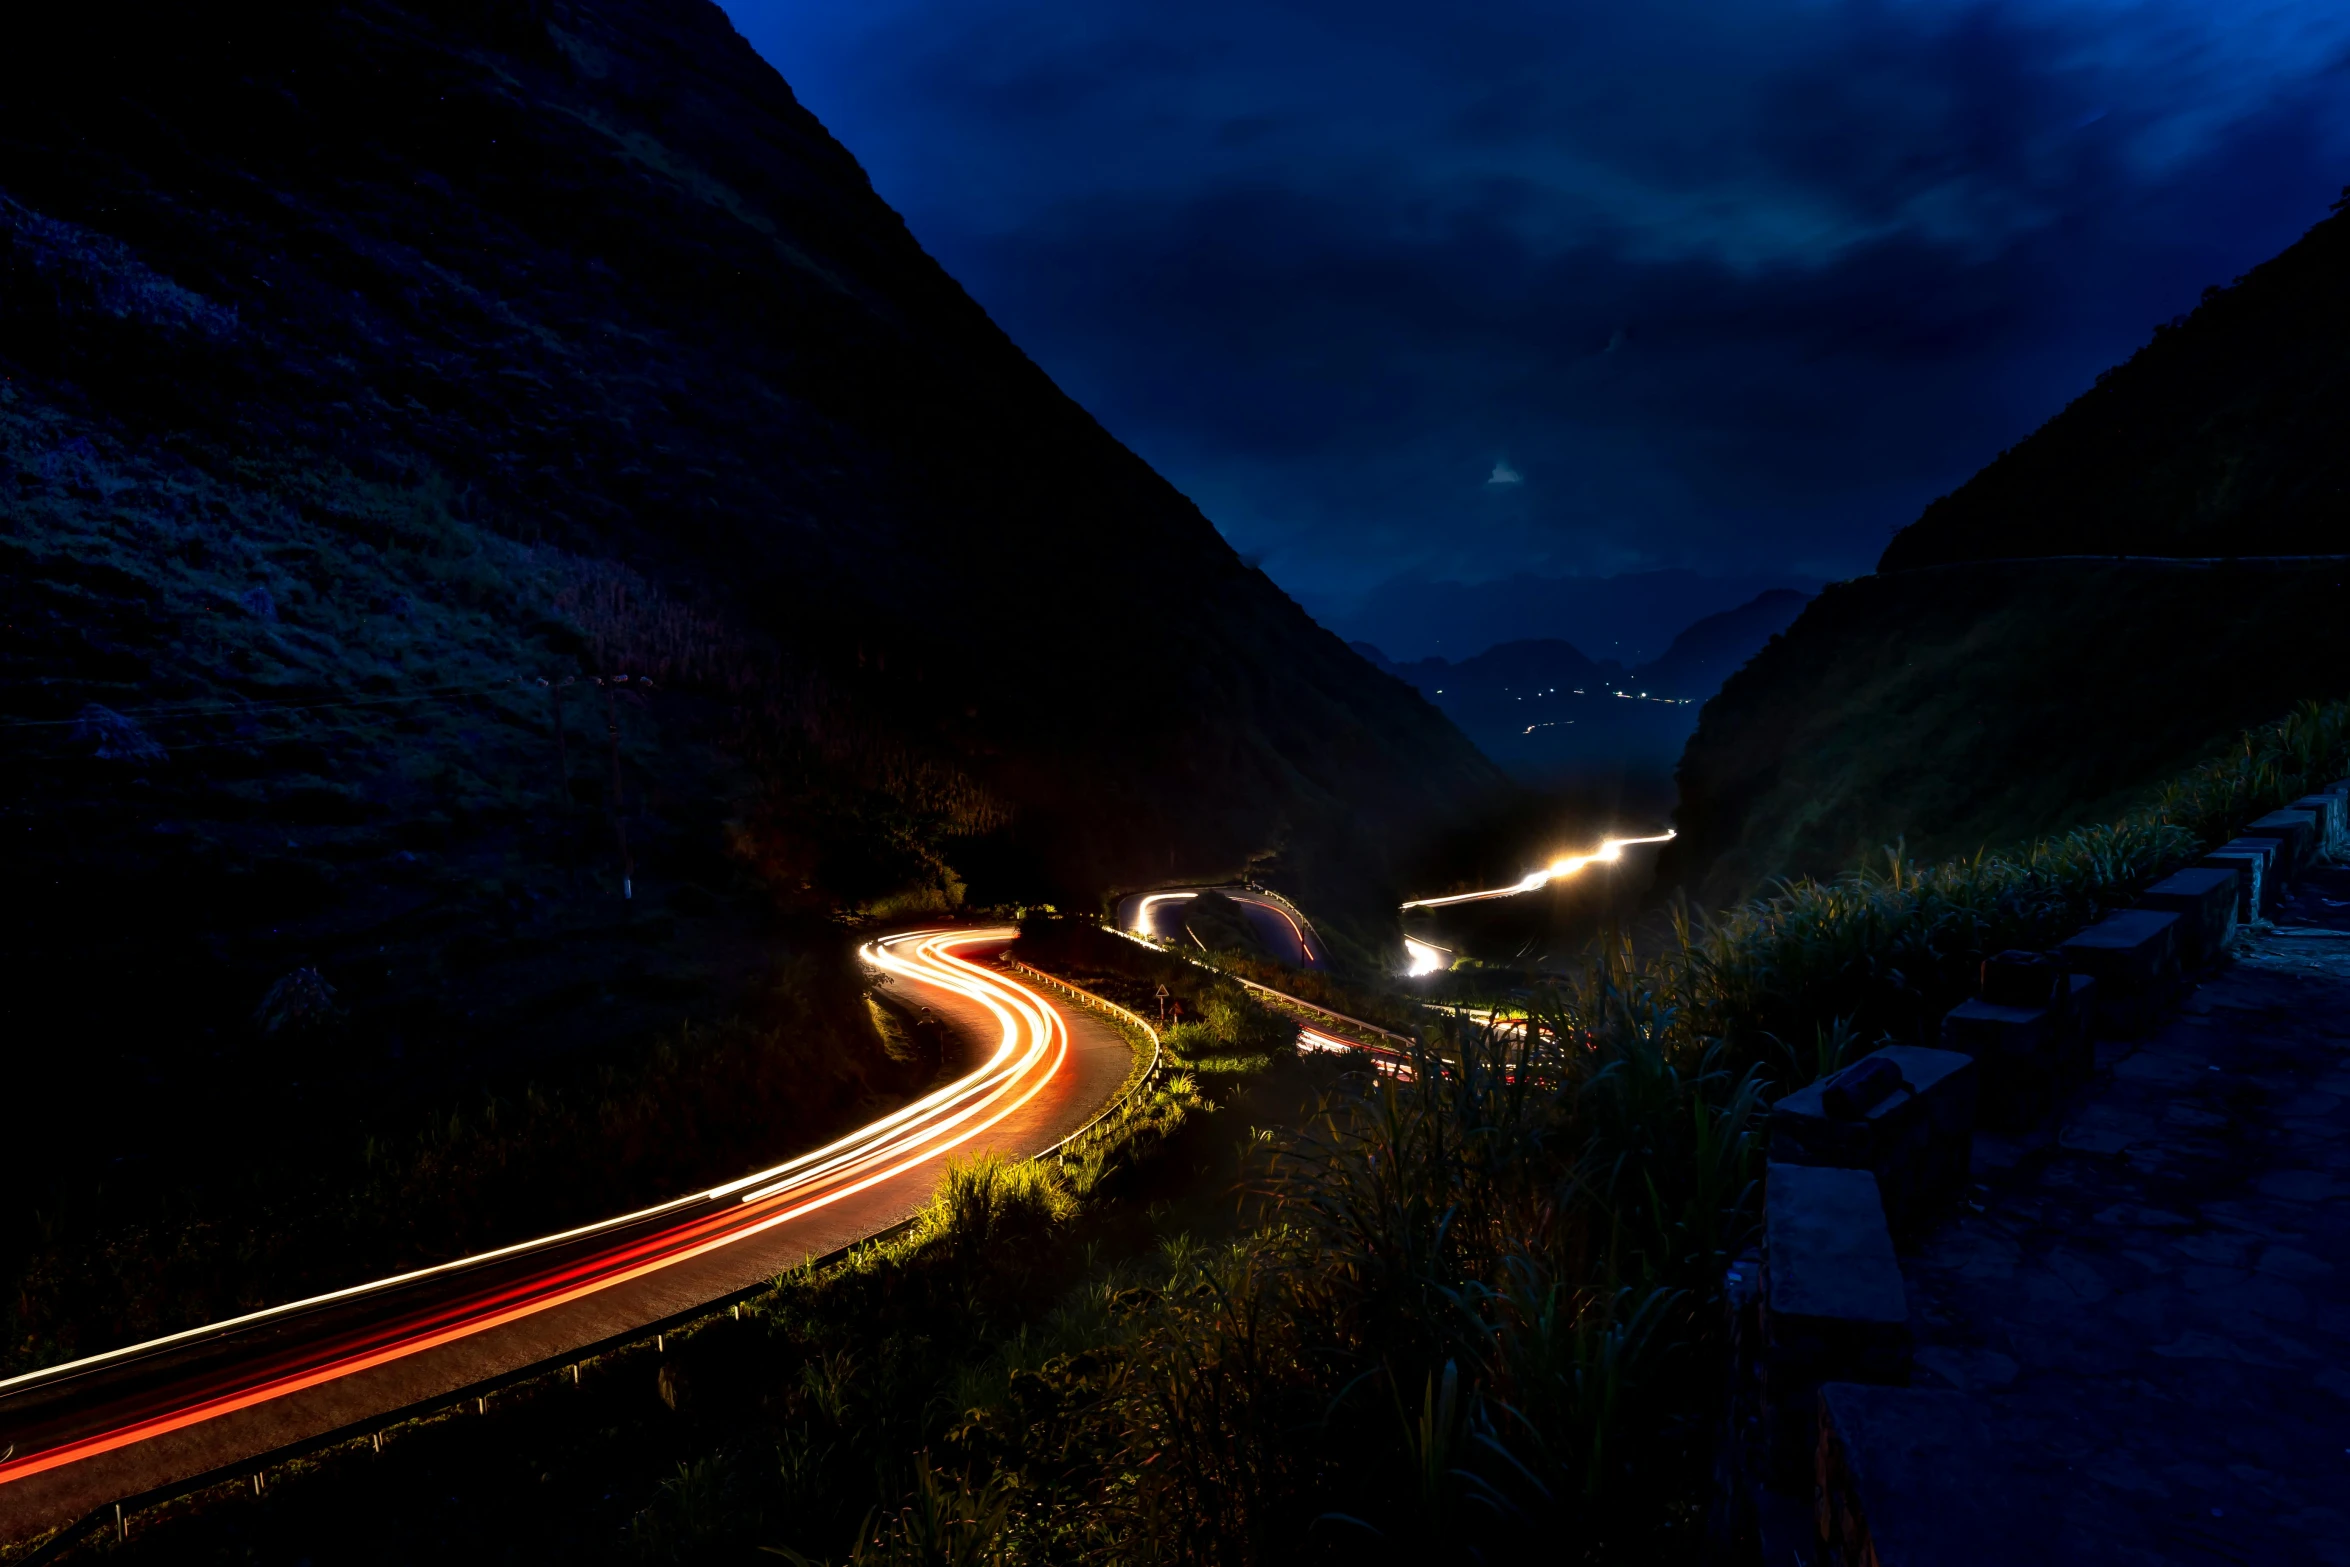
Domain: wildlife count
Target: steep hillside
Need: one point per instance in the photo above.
(1555, 719)
(2228, 434)
(460, 456)
(1977, 692)
(1978, 706)
(1712, 650)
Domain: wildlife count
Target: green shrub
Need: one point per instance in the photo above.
(945, 1521)
(697, 1509)
(989, 1201)
(1240, 1022)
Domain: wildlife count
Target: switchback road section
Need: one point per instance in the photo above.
(1280, 924)
(150, 1416)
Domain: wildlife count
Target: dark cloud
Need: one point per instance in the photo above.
(1731, 286)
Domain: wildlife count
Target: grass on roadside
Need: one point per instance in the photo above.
(1468, 1313)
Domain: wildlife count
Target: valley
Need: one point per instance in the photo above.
(669, 906)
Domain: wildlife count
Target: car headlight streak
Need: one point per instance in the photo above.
(1566, 865)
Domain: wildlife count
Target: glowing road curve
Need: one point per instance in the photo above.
(68, 1415)
(1565, 865)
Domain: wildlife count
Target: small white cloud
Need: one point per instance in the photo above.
(1503, 473)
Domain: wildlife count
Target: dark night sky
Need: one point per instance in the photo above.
(1456, 292)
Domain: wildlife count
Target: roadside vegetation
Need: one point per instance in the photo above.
(1298, 1310)
(1132, 974)
(1801, 976)
(1982, 705)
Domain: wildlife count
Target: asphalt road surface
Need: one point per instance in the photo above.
(1285, 932)
(79, 1436)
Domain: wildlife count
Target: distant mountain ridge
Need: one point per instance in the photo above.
(1629, 618)
(1549, 713)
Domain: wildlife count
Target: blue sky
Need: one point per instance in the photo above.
(1456, 292)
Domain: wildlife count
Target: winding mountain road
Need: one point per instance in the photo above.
(75, 1437)
(1277, 922)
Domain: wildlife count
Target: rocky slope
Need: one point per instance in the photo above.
(385, 382)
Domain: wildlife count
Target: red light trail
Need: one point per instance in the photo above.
(65, 1414)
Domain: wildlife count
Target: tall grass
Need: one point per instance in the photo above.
(1884, 950)
(1479, 1315)
(1465, 1332)
(1485, 1321)
(1474, 1315)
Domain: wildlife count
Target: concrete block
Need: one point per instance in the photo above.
(2250, 867)
(1982, 1029)
(1833, 1305)
(2128, 950)
(1909, 1477)
(1829, 1257)
(2269, 849)
(2204, 899)
(2333, 827)
(2023, 979)
(2134, 957)
(2023, 1053)
(1918, 1141)
(2079, 1057)
(2296, 835)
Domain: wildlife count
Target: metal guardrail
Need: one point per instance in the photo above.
(478, 1393)
(1123, 1105)
(1296, 1001)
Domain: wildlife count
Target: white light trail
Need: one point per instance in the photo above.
(1032, 1046)
(1568, 865)
(1426, 957)
(1146, 925)
(1142, 914)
